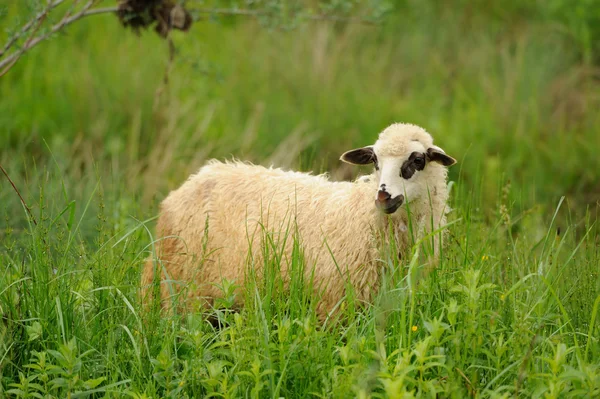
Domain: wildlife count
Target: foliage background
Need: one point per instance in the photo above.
(94, 139)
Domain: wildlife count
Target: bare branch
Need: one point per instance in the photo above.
(88, 10)
(68, 19)
(95, 11)
(259, 13)
(38, 18)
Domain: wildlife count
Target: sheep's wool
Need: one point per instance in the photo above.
(395, 140)
(214, 226)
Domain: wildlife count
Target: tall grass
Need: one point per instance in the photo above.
(510, 311)
(499, 316)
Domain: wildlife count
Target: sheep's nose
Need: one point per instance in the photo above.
(383, 196)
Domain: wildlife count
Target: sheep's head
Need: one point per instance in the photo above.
(405, 161)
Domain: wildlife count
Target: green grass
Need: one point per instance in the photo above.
(512, 309)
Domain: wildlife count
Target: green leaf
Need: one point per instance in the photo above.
(34, 331)
(93, 383)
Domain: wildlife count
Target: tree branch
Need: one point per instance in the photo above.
(68, 19)
(38, 18)
(7, 63)
(259, 13)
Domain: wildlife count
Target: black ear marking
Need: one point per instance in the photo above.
(436, 154)
(360, 156)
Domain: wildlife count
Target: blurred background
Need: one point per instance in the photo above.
(509, 88)
(99, 122)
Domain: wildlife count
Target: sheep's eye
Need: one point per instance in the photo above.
(419, 161)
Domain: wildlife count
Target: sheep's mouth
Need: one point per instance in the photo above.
(390, 205)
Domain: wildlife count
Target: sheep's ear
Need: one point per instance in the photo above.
(436, 154)
(359, 156)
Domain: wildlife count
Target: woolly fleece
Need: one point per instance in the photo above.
(213, 226)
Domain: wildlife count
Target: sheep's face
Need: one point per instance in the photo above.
(401, 160)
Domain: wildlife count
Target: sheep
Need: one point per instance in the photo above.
(212, 228)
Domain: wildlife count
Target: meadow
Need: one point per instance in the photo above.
(92, 138)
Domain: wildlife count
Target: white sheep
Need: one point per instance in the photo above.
(212, 228)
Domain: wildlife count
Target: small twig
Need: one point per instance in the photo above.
(28, 25)
(228, 11)
(99, 10)
(165, 81)
(259, 13)
(86, 11)
(356, 20)
(38, 24)
(19, 194)
(168, 69)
